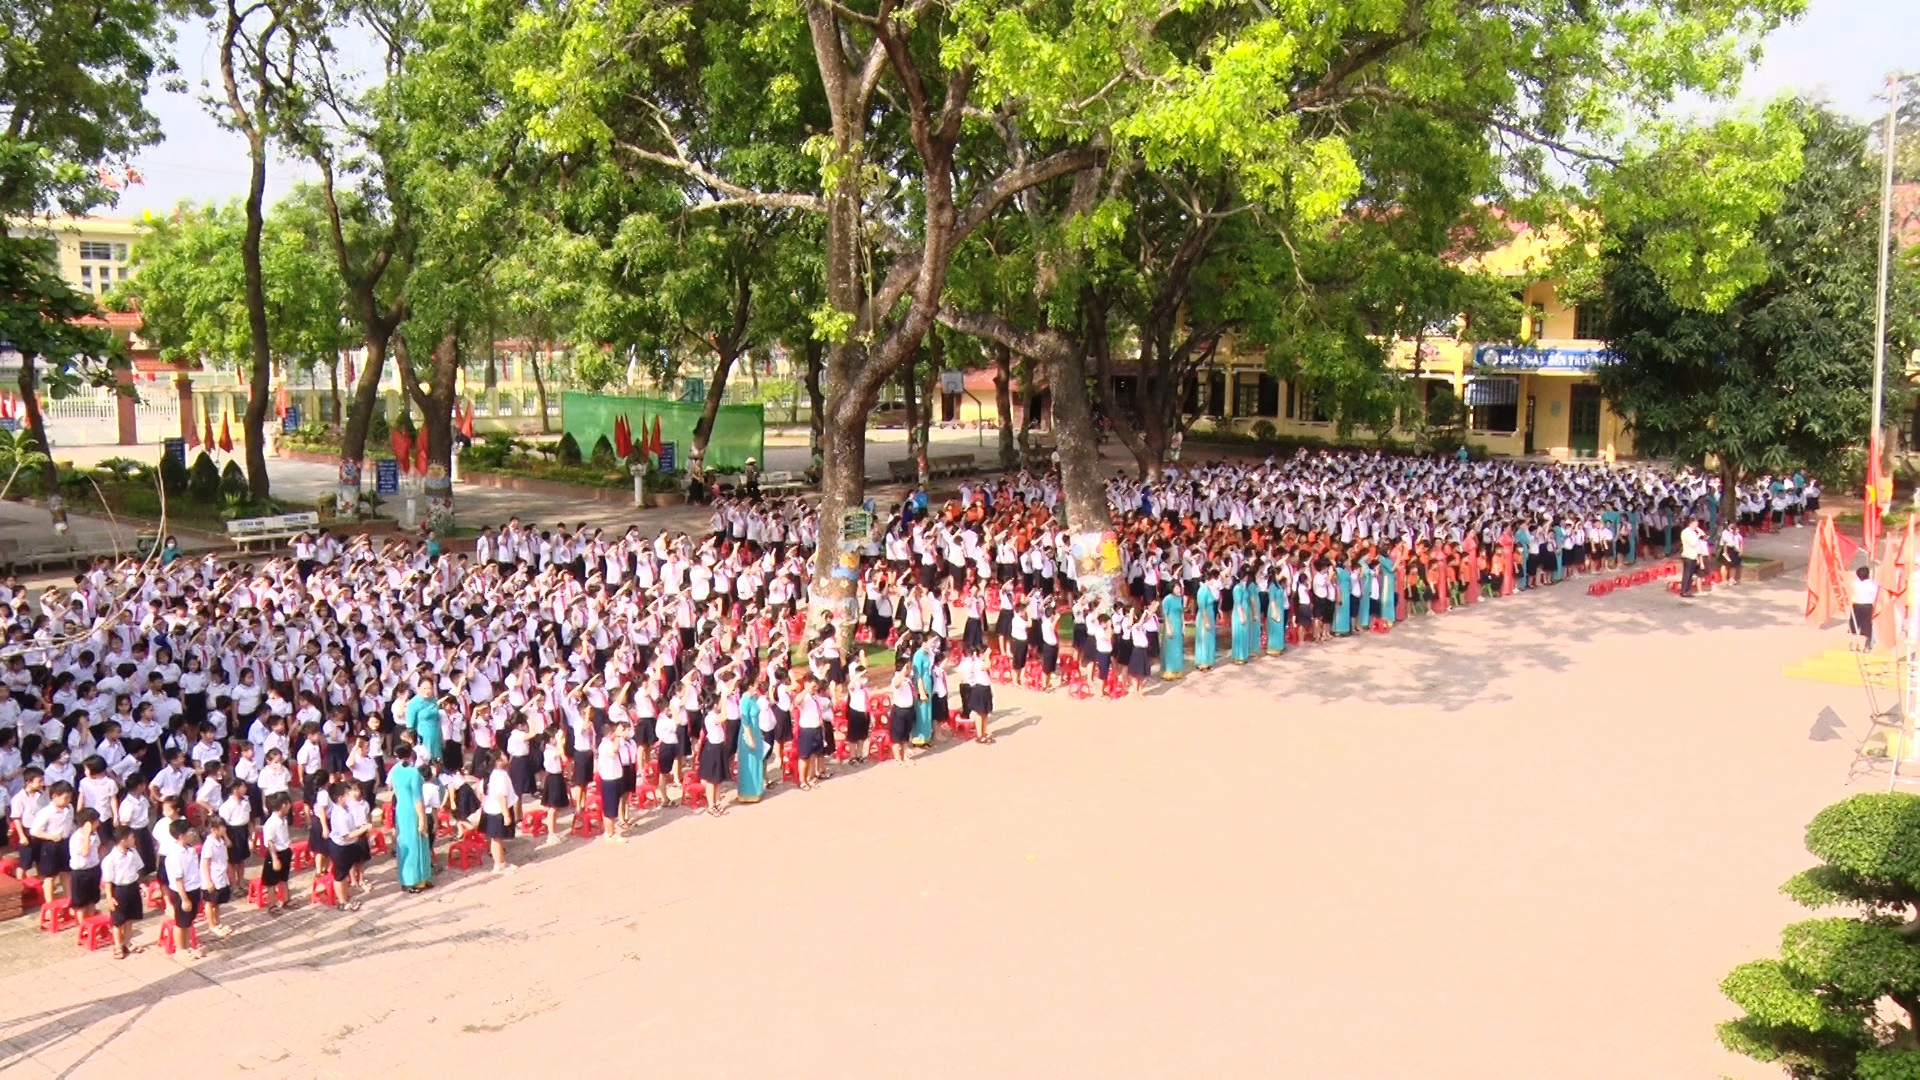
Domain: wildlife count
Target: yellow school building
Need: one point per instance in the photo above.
(1537, 396)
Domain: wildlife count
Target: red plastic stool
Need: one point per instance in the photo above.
(302, 855)
(155, 895)
(468, 855)
(693, 795)
(586, 822)
(167, 930)
(95, 931)
(57, 915)
(321, 893)
(376, 843)
(535, 822)
(33, 887)
(10, 865)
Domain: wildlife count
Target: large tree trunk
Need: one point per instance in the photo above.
(540, 389)
(1096, 551)
(353, 437)
(1729, 508)
(929, 402)
(703, 427)
(333, 379)
(436, 401)
(37, 431)
(1003, 403)
(908, 386)
(816, 401)
(260, 386)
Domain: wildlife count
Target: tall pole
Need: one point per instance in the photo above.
(1886, 247)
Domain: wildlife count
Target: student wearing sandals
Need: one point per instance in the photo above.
(120, 870)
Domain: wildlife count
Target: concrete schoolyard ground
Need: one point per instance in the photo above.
(1524, 839)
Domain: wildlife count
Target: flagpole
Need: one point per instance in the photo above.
(1880, 296)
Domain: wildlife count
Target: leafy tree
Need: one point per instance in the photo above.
(1842, 1000)
(1770, 375)
(203, 480)
(73, 82)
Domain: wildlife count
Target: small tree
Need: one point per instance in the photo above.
(1842, 1001)
(203, 482)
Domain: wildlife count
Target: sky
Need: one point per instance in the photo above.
(1841, 50)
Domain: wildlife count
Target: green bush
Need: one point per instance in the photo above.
(123, 468)
(140, 502)
(568, 451)
(493, 451)
(233, 481)
(203, 481)
(603, 455)
(173, 476)
(379, 431)
(1264, 431)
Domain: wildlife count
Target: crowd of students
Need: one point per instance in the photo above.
(185, 718)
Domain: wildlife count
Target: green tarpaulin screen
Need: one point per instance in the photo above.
(739, 431)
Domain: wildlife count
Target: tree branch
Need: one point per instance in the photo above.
(734, 194)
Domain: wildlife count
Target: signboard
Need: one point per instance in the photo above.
(177, 450)
(290, 423)
(386, 480)
(667, 453)
(1523, 358)
(953, 382)
(856, 527)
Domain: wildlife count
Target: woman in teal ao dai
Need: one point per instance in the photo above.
(410, 847)
(1342, 601)
(923, 694)
(1388, 583)
(1206, 630)
(1243, 626)
(1276, 615)
(423, 716)
(1173, 635)
(751, 750)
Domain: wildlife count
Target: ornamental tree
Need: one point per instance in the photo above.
(1842, 1000)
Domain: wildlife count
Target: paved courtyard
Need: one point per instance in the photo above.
(1526, 839)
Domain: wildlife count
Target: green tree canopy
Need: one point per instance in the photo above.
(1776, 375)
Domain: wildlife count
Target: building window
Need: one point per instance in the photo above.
(86, 275)
(1190, 396)
(1309, 410)
(123, 273)
(1494, 405)
(1246, 394)
(119, 253)
(1590, 322)
(1269, 395)
(94, 249)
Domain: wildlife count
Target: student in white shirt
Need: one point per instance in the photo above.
(276, 851)
(1866, 593)
(120, 871)
(183, 883)
(499, 809)
(215, 874)
(83, 863)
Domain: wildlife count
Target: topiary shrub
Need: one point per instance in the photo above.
(173, 476)
(379, 431)
(1839, 1001)
(568, 451)
(233, 481)
(603, 455)
(203, 481)
(1264, 430)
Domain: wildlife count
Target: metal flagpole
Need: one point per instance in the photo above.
(1909, 649)
(1880, 295)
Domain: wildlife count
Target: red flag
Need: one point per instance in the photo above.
(622, 437)
(466, 421)
(420, 455)
(1874, 508)
(226, 435)
(402, 444)
(656, 444)
(281, 402)
(1896, 577)
(206, 411)
(1828, 595)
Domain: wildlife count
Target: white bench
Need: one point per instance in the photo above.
(245, 531)
(781, 483)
